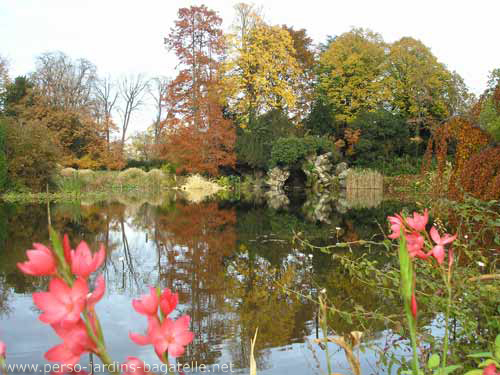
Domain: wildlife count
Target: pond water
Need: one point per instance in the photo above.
(232, 263)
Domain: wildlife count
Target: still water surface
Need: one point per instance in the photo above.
(232, 263)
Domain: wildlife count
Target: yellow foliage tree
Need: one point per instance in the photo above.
(351, 73)
(262, 72)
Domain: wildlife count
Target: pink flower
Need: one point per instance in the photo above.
(148, 304)
(490, 370)
(153, 324)
(133, 366)
(67, 248)
(415, 243)
(414, 307)
(3, 349)
(76, 341)
(438, 250)
(98, 293)
(168, 301)
(62, 303)
(172, 336)
(396, 222)
(41, 261)
(418, 222)
(83, 263)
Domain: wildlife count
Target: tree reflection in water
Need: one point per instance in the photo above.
(233, 265)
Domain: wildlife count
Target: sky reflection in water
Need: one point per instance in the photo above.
(230, 262)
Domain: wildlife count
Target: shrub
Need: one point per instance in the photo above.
(155, 176)
(132, 174)
(290, 150)
(68, 172)
(481, 174)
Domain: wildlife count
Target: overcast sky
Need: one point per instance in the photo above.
(121, 36)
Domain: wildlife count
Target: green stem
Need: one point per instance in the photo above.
(413, 336)
(324, 328)
(407, 288)
(99, 341)
(3, 366)
(165, 360)
(446, 322)
(106, 360)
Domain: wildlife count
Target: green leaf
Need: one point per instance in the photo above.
(481, 355)
(434, 361)
(447, 370)
(57, 246)
(474, 372)
(497, 342)
(488, 362)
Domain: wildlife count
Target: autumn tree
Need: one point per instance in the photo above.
(305, 57)
(351, 74)
(142, 145)
(32, 152)
(422, 89)
(262, 73)
(199, 138)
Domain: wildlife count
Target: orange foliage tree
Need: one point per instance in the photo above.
(198, 137)
(468, 175)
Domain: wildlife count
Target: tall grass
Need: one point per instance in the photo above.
(133, 179)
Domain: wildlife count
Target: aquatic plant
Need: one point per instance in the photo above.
(413, 239)
(70, 310)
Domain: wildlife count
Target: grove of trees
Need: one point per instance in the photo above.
(238, 98)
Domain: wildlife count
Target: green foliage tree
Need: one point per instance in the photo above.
(290, 151)
(421, 87)
(254, 143)
(15, 96)
(321, 119)
(384, 136)
(3, 158)
(32, 153)
(489, 119)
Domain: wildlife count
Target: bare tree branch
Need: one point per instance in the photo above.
(106, 97)
(132, 90)
(158, 90)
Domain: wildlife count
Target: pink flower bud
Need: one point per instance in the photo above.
(414, 307)
(41, 261)
(168, 301)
